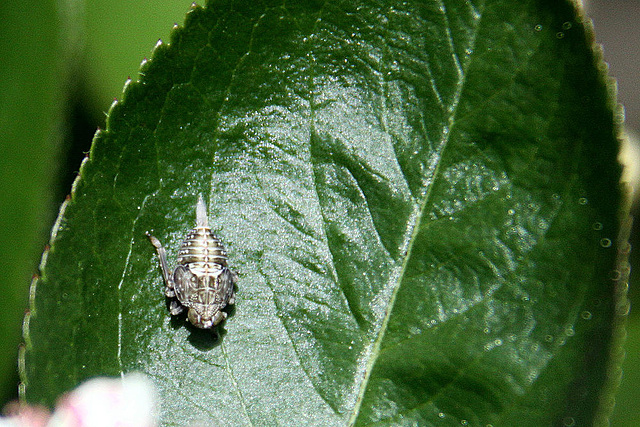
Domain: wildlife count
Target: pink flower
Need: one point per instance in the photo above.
(101, 402)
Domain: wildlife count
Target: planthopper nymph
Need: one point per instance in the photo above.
(201, 282)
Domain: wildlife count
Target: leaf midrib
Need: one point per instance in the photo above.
(418, 215)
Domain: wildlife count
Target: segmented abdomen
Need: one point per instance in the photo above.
(202, 252)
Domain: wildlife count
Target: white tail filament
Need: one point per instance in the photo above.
(201, 213)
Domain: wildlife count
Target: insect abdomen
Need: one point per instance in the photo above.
(203, 251)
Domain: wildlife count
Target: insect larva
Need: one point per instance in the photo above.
(201, 281)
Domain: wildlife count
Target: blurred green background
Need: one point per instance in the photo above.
(65, 62)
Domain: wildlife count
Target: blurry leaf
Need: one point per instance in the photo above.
(626, 412)
(119, 34)
(421, 200)
(32, 76)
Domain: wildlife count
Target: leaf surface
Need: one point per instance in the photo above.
(421, 199)
(31, 119)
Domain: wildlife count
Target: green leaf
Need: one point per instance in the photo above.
(112, 56)
(421, 199)
(626, 412)
(32, 76)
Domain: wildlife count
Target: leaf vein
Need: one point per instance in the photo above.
(417, 217)
(235, 383)
(299, 356)
(124, 273)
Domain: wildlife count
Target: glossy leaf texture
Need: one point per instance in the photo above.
(421, 199)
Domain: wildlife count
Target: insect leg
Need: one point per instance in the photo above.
(232, 296)
(175, 307)
(162, 255)
(219, 317)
